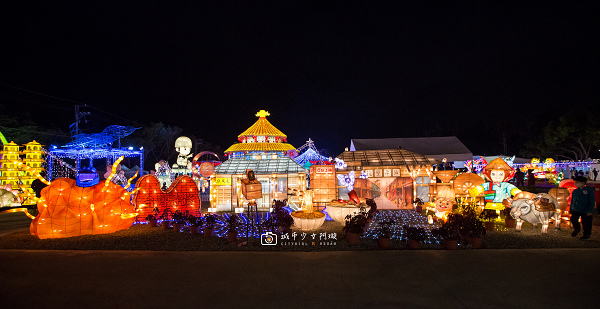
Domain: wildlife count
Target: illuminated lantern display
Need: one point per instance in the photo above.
(262, 148)
(308, 219)
(568, 184)
(8, 196)
(339, 210)
(251, 187)
(562, 197)
(444, 201)
(66, 210)
(463, 183)
(310, 155)
(446, 177)
(33, 160)
(183, 145)
(535, 209)
(497, 191)
(9, 171)
(394, 177)
(323, 183)
(91, 147)
(181, 195)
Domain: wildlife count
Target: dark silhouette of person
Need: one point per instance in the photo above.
(582, 206)
(519, 178)
(595, 171)
(530, 178)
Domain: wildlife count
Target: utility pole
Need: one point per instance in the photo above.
(78, 116)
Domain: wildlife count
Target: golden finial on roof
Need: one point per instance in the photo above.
(262, 114)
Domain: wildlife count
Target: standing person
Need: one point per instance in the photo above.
(583, 203)
(595, 171)
(530, 178)
(519, 178)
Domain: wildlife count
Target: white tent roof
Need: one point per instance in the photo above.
(449, 147)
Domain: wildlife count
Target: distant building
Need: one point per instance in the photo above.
(448, 147)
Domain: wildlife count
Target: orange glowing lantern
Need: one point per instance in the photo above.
(562, 195)
(66, 210)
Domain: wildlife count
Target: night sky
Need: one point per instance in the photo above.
(331, 71)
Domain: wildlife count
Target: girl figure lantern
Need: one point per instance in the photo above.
(497, 192)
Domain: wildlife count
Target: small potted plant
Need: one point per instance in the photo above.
(152, 220)
(476, 231)
(489, 216)
(384, 234)
(281, 218)
(209, 226)
(449, 234)
(509, 221)
(166, 224)
(414, 236)
(232, 224)
(355, 225)
(178, 220)
(195, 224)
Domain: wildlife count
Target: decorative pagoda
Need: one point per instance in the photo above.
(261, 137)
(34, 160)
(261, 148)
(9, 171)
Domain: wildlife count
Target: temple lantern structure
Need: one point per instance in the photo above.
(34, 160)
(9, 171)
(261, 148)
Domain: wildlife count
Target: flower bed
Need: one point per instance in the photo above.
(143, 237)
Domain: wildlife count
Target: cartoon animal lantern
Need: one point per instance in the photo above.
(183, 145)
(67, 210)
(535, 209)
(497, 192)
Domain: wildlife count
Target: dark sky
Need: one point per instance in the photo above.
(330, 71)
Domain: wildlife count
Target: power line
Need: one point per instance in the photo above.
(32, 102)
(39, 93)
(67, 100)
(134, 122)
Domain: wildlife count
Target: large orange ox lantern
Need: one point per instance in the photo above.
(66, 210)
(181, 195)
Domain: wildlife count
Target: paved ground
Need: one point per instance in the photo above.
(12, 222)
(539, 278)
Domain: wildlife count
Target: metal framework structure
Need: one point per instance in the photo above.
(95, 146)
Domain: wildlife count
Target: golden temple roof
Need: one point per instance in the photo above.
(262, 127)
(279, 147)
